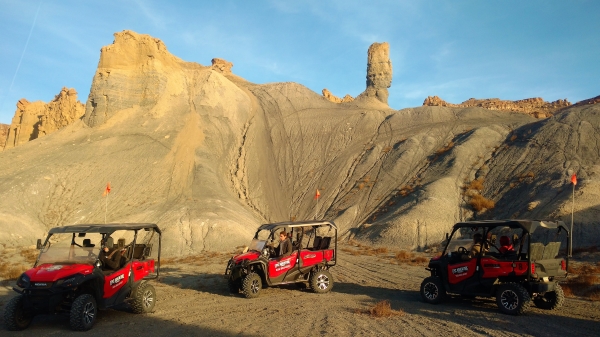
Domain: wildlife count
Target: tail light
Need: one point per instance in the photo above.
(563, 265)
(532, 268)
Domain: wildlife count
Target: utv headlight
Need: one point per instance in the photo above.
(69, 281)
(23, 281)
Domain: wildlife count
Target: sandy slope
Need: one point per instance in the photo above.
(194, 300)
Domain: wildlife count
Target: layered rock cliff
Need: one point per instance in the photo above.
(333, 98)
(36, 119)
(535, 107)
(3, 134)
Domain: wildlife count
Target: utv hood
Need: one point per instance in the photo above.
(54, 272)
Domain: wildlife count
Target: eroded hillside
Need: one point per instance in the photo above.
(209, 156)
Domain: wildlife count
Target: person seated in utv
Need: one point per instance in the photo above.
(476, 248)
(505, 245)
(285, 245)
(110, 258)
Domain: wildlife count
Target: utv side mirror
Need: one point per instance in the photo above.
(39, 244)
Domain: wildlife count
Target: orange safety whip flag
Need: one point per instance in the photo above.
(574, 179)
(106, 190)
(318, 194)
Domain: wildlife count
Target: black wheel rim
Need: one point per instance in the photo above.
(509, 299)
(431, 291)
(89, 311)
(254, 286)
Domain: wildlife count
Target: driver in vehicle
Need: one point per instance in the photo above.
(476, 247)
(111, 260)
(285, 245)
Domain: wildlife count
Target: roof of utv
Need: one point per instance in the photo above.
(297, 224)
(529, 225)
(103, 228)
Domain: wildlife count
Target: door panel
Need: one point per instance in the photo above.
(461, 271)
(115, 281)
(278, 267)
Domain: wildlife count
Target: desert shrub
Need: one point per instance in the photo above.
(476, 184)
(479, 203)
(421, 259)
(406, 190)
(384, 309)
(361, 185)
(381, 250)
(30, 254)
(585, 284)
(386, 149)
(403, 255)
(513, 137)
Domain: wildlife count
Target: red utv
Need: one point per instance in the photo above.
(308, 263)
(69, 276)
(520, 262)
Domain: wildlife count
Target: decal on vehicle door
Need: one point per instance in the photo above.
(460, 271)
(282, 265)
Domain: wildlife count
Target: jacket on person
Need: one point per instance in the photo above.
(285, 247)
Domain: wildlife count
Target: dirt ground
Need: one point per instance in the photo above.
(193, 299)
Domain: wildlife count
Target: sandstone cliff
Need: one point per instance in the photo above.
(36, 119)
(535, 107)
(594, 100)
(331, 97)
(3, 134)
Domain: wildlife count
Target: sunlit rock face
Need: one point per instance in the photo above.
(36, 119)
(379, 72)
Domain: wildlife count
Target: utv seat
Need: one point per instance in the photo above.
(88, 243)
(317, 243)
(551, 250)
(325, 243)
(142, 251)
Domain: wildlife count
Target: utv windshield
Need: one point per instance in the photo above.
(65, 249)
(257, 245)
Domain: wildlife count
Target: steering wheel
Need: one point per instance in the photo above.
(462, 250)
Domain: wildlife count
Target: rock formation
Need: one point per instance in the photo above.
(594, 100)
(221, 65)
(209, 157)
(535, 107)
(36, 119)
(3, 134)
(379, 72)
(331, 97)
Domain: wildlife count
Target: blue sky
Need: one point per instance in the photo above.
(454, 49)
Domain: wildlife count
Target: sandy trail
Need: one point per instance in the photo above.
(194, 300)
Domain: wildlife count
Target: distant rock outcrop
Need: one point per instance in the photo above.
(221, 65)
(333, 98)
(3, 133)
(379, 72)
(594, 100)
(35, 119)
(535, 107)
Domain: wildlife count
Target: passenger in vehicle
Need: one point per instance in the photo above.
(285, 245)
(505, 245)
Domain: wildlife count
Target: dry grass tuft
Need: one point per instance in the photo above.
(384, 309)
(381, 250)
(406, 190)
(585, 284)
(479, 203)
(404, 256)
(476, 184)
(30, 254)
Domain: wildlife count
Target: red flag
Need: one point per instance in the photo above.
(106, 190)
(318, 194)
(574, 179)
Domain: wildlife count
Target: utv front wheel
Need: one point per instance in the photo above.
(432, 290)
(550, 300)
(321, 281)
(144, 299)
(83, 313)
(251, 285)
(15, 317)
(513, 299)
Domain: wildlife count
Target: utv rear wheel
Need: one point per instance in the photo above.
(550, 300)
(83, 313)
(251, 285)
(432, 290)
(144, 299)
(15, 317)
(321, 281)
(513, 299)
